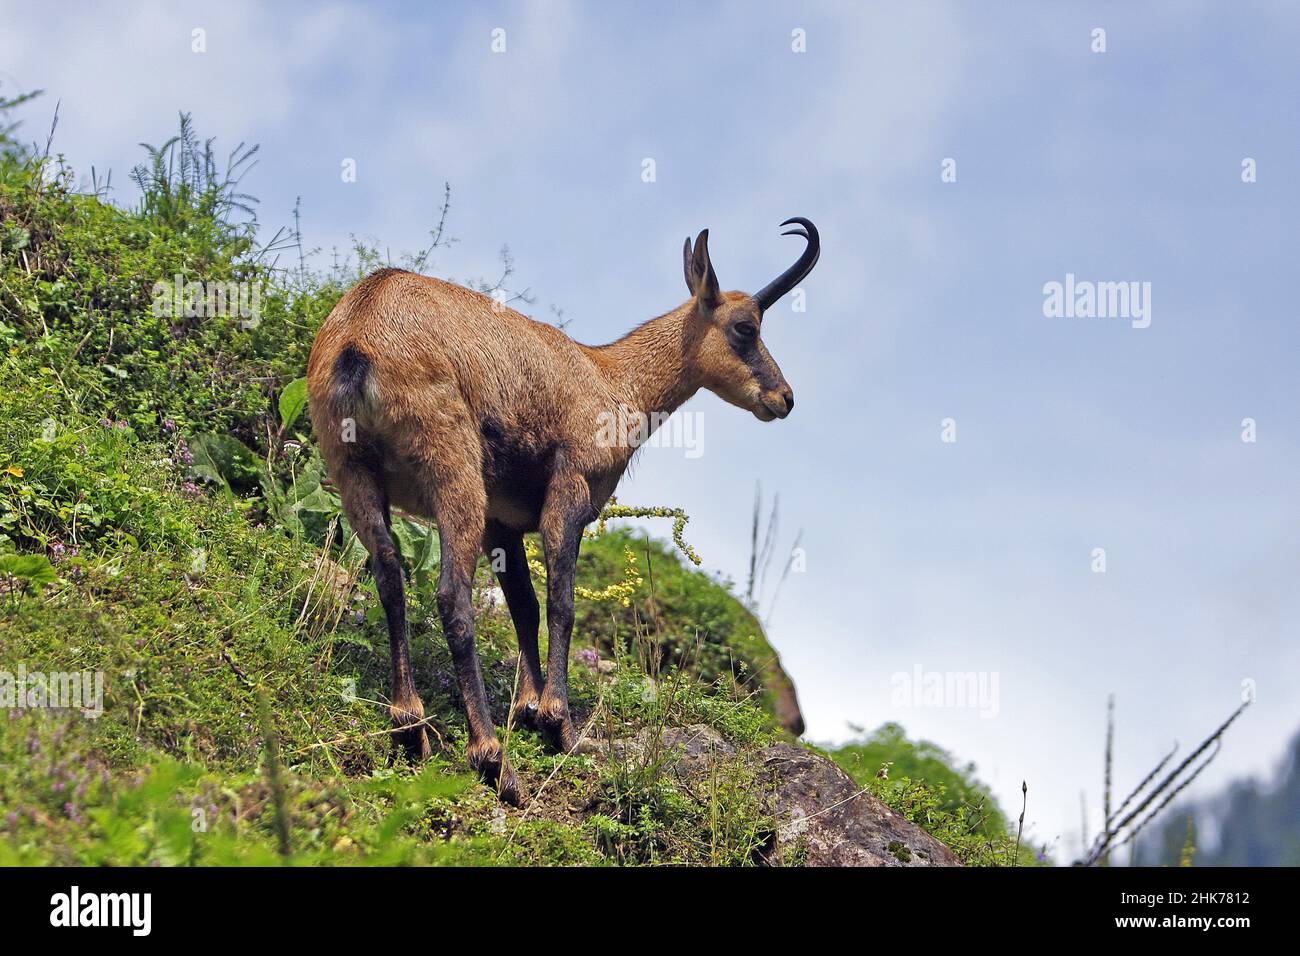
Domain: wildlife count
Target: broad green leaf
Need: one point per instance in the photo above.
(292, 401)
(225, 460)
(409, 537)
(30, 567)
(318, 500)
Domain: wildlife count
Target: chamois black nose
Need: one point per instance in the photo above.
(788, 394)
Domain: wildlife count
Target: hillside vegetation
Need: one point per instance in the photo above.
(164, 521)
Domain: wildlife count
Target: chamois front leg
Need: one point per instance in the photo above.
(506, 554)
(566, 512)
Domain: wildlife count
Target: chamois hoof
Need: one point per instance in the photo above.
(414, 742)
(409, 731)
(557, 730)
(494, 769)
(525, 714)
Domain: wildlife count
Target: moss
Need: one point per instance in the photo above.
(900, 852)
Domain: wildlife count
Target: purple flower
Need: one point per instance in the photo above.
(190, 490)
(588, 657)
(168, 426)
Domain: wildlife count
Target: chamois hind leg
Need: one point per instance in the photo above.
(366, 505)
(566, 511)
(459, 504)
(505, 552)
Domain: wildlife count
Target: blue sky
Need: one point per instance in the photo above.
(1072, 434)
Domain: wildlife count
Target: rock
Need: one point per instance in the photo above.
(826, 819)
(332, 575)
(787, 705)
(692, 747)
(785, 699)
(823, 817)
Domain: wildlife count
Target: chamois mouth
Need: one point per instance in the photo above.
(766, 410)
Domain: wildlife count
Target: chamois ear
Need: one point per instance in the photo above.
(700, 278)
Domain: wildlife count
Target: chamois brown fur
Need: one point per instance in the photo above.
(436, 399)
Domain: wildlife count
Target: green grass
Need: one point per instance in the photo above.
(923, 782)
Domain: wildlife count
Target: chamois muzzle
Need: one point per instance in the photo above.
(766, 297)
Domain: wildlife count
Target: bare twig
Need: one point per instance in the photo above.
(1175, 779)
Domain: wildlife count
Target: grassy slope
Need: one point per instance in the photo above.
(243, 656)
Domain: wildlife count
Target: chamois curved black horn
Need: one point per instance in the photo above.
(787, 280)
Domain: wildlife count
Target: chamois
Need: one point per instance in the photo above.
(435, 399)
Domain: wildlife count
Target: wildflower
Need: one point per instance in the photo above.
(588, 657)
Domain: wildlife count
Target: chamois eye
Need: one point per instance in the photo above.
(745, 331)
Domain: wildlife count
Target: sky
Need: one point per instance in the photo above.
(924, 319)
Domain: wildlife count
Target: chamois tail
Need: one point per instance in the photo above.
(353, 388)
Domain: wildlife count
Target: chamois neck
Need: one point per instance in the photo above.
(647, 368)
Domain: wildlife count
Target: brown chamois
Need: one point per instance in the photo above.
(435, 399)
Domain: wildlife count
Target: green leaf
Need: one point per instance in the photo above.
(30, 567)
(409, 537)
(225, 460)
(318, 500)
(292, 401)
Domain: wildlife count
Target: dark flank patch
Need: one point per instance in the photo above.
(350, 371)
(511, 461)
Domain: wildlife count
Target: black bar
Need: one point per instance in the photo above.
(337, 905)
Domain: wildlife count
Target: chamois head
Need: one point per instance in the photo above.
(728, 354)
